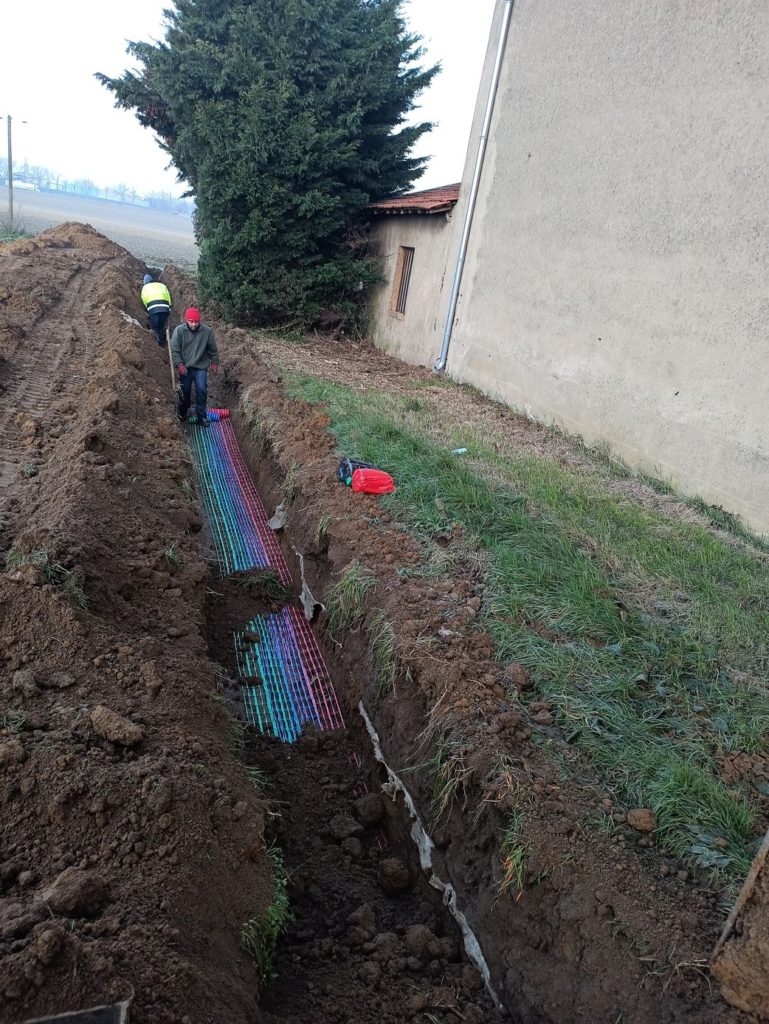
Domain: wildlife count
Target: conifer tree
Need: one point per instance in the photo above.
(287, 117)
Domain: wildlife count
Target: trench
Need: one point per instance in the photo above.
(373, 934)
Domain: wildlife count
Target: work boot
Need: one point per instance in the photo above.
(203, 422)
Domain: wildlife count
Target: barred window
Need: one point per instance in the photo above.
(401, 281)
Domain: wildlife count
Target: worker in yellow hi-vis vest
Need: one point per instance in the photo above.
(157, 301)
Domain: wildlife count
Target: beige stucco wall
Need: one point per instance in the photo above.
(412, 338)
(617, 278)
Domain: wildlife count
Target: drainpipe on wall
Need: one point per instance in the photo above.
(440, 364)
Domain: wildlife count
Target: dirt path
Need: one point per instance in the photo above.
(52, 344)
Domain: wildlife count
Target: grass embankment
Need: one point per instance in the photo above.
(646, 632)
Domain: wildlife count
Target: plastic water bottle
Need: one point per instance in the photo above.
(459, 451)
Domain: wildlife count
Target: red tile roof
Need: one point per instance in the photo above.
(430, 200)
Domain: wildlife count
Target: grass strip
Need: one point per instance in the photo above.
(647, 633)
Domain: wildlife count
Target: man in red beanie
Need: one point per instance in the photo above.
(193, 351)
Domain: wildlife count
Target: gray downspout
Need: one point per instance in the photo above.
(440, 364)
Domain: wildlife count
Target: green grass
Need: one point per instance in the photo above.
(728, 522)
(649, 634)
(264, 582)
(346, 600)
(70, 581)
(260, 934)
(8, 234)
(450, 773)
(382, 636)
(513, 860)
(289, 486)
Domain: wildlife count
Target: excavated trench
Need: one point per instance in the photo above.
(368, 938)
(104, 612)
(570, 949)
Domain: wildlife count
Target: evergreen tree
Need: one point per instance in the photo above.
(287, 118)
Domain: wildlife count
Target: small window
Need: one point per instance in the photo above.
(402, 279)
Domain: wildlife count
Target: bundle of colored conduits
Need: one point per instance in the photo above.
(237, 518)
(290, 685)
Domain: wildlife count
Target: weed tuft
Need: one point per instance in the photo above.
(382, 636)
(259, 937)
(450, 774)
(321, 530)
(264, 582)
(12, 234)
(71, 581)
(173, 556)
(258, 779)
(290, 484)
(236, 727)
(13, 721)
(513, 858)
(345, 601)
(261, 429)
(728, 522)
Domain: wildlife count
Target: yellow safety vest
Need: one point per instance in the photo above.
(155, 292)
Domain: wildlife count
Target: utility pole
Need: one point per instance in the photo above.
(10, 175)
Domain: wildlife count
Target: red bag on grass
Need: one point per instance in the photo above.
(372, 481)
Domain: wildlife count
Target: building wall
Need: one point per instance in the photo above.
(617, 278)
(416, 336)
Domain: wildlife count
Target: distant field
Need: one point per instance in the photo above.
(157, 238)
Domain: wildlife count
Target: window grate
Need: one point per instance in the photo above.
(402, 279)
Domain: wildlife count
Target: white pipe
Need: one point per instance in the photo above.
(425, 846)
(440, 364)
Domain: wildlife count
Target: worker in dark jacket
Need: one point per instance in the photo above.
(157, 301)
(193, 351)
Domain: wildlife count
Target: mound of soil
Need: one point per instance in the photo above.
(130, 837)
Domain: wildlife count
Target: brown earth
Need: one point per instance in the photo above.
(131, 847)
(125, 868)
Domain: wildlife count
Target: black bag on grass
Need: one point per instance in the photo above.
(348, 466)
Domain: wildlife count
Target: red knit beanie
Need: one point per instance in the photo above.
(193, 315)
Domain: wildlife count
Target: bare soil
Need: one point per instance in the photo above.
(132, 845)
(130, 857)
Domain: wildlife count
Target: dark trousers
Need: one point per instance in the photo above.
(158, 323)
(200, 379)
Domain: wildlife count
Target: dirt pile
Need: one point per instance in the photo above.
(130, 850)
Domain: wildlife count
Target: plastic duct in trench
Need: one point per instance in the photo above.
(284, 680)
(291, 686)
(238, 521)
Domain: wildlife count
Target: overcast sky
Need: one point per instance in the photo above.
(52, 47)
